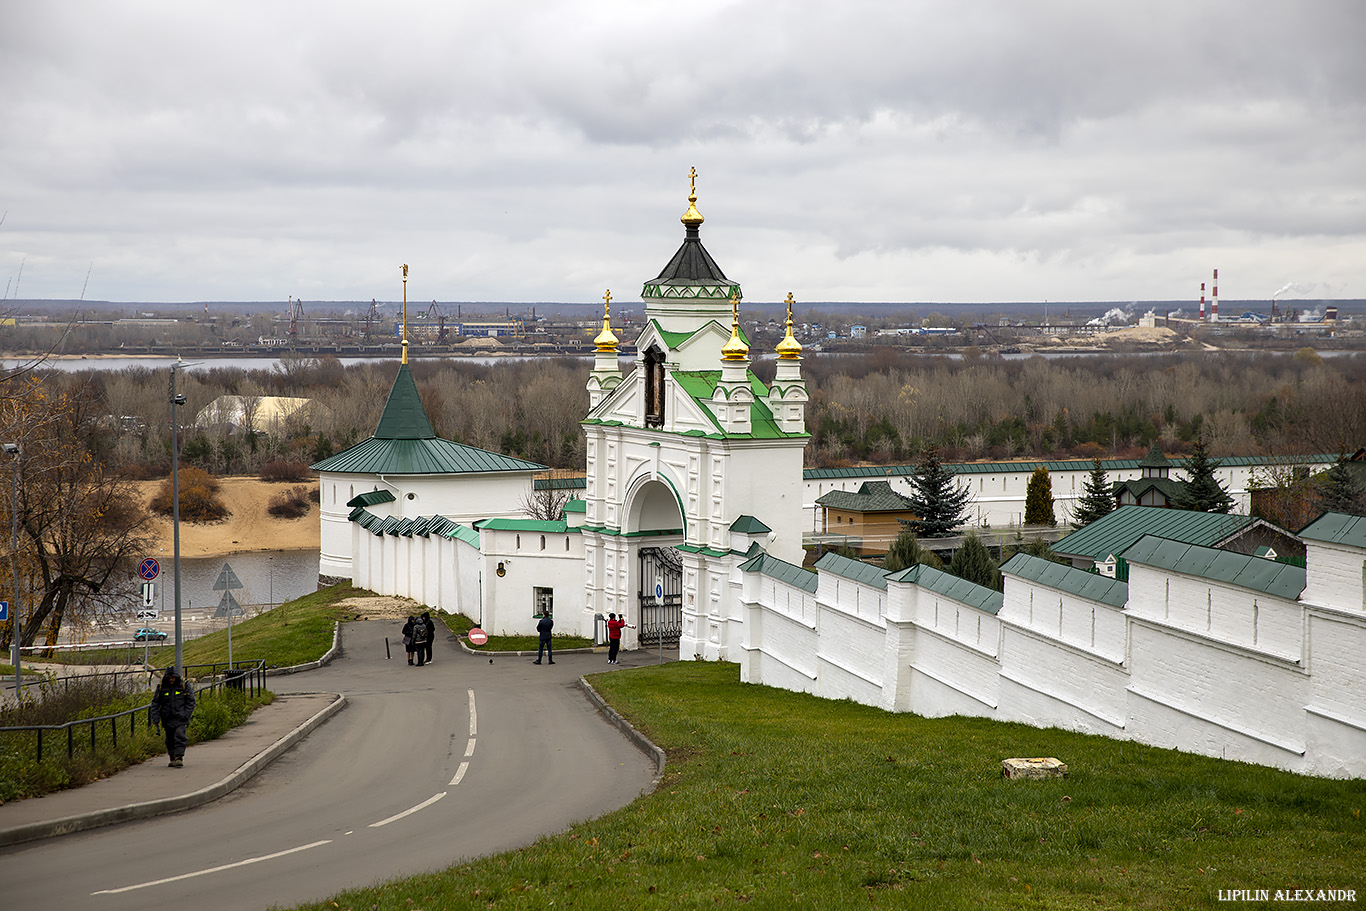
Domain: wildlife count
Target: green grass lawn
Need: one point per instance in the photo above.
(461, 625)
(296, 632)
(778, 800)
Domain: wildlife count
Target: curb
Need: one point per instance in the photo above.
(150, 808)
(642, 743)
(326, 659)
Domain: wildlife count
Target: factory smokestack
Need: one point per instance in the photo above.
(1202, 302)
(1214, 300)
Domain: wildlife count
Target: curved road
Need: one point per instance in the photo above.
(425, 766)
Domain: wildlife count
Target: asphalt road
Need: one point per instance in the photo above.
(424, 767)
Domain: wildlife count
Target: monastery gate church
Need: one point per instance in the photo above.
(694, 490)
(693, 466)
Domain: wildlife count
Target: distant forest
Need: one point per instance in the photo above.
(881, 408)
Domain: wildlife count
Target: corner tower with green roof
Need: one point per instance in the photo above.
(406, 471)
(684, 448)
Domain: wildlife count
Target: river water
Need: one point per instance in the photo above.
(267, 578)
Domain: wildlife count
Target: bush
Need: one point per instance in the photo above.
(279, 470)
(199, 499)
(289, 504)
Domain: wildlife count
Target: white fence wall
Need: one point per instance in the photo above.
(1187, 662)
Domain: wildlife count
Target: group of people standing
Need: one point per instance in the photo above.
(418, 634)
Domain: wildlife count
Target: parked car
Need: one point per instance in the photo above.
(147, 613)
(147, 634)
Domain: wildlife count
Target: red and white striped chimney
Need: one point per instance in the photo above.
(1214, 300)
(1202, 302)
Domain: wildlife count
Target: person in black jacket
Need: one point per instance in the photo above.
(172, 705)
(544, 627)
(408, 637)
(420, 634)
(431, 633)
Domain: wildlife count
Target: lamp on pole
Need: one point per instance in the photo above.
(12, 450)
(177, 399)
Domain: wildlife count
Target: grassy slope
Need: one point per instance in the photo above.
(780, 800)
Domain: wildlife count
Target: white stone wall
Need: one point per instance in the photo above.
(1187, 663)
(999, 497)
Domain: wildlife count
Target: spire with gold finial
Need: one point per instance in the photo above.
(692, 218)
(404, 343)
(735, 349)
(606, 341)
(789, 349)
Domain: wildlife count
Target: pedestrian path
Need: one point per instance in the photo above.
(211, 770)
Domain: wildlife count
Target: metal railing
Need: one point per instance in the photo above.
(248, 677)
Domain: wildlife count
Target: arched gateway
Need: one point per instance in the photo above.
(692, 461)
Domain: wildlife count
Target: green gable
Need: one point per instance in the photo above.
(1243, 570)
(700, 385)
(1116, 532)
(1337, 528)
(951, 587)
(785, 572)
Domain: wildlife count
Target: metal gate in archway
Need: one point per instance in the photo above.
(660, 622)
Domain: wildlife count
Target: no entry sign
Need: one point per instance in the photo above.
(478, 636)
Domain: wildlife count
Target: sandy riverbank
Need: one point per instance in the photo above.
(250, 528)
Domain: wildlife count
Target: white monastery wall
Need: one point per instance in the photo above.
(1339, 578)
(1188, 662)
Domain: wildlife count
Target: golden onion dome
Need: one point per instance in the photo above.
(734, 349)
(606, 341)
(789, 349)
(692, 217)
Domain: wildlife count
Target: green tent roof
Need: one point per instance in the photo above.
(748, 525)
(872, 496)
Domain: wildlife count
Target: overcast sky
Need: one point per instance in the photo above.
(1020, 150)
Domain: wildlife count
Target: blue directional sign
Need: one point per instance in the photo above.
(149, 569)
(4, 611)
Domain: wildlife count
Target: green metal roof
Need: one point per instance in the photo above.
(371, 498)
(556, 526)
(872, 496)
(1337, 528)
(951, 586)
(426, 456)
(782, 571)
(578, 483)
(576, 505)
(1079, 582)
(1284, 580)
(857, 570)
(404, 418)
(898, 471)
(1170, 488)
(1155, 459)
(701, 384)
(464, 533)
(1114, 533)
(748, 525)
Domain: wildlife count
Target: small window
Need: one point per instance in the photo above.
(544, 601)
(542, 542)
(566, 543)
(519, 542)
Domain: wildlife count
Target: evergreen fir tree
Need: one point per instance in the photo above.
(1096, 499)
(937, 500)
(1340, 491)
(973, 562)
(1039, 499)
(1203, 492)
(906, 551)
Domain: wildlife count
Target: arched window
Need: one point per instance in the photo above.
(654, 387)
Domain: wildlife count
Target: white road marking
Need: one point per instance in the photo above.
(459, 774)
(469, 748)
(474, 718)
(410, 811)
(240, 863)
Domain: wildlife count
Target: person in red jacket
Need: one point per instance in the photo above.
(614, 627)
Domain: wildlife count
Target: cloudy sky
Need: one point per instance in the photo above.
(538, 151)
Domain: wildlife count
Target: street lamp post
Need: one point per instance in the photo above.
(177, 399)
(12, 450)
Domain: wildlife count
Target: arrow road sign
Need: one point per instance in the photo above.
(227, 580)
(148, 594)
